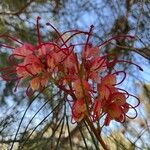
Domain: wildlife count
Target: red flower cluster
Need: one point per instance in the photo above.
(86, 77)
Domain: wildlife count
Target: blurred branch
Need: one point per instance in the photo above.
(145, 52)
(72, 133)
(19, 11)
(21, 140)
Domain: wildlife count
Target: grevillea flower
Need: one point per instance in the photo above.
(23, 51)
(90, 52)
(85, 76)
(81, 88)
(39, 82)
(115, 108)
(106, 87)
(79, 110)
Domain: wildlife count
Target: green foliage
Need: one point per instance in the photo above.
(26, 34)
(4, 60)
(42, 1)
(9, 4)
(3, 28)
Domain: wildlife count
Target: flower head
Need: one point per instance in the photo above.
(85, 77)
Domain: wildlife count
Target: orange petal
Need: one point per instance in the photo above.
(78, 88)
(114, 111)
(104, 92)
(35, 83)
(23, 51)
(90, 52)
(118, 98)
(45, 49)
(96, 78)
(109, 79)
(79, 110)
(44, 80)
(37, 67)
(21, 72)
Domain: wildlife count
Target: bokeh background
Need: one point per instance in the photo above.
(39, 122)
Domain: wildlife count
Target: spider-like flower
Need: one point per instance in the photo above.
(85, 77)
